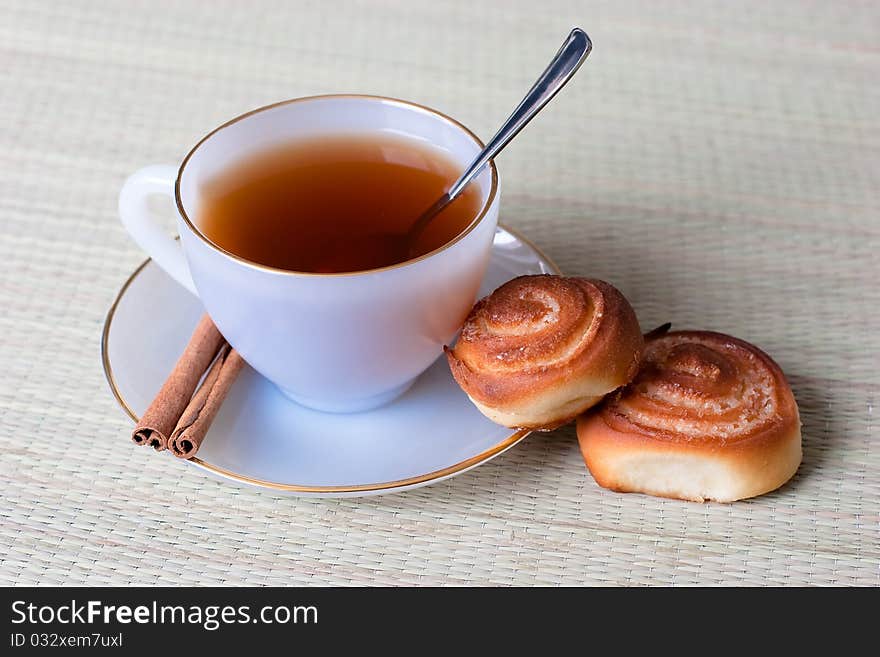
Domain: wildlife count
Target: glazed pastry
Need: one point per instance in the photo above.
(542, 349)
(708, 417)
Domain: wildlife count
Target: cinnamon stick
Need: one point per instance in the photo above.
(663, 329)
(196, 419)
(161, 417)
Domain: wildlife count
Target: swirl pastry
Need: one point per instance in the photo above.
(542, 349)
(708, 417)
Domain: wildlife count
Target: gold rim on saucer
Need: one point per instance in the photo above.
(508, 442)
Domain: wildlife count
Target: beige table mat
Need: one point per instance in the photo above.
(719, 162)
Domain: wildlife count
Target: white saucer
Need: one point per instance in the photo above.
(261, 438)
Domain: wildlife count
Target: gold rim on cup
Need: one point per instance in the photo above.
(396, 101)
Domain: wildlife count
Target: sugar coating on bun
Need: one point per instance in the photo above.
(542, 349)
(708, 417)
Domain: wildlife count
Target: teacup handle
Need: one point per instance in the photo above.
(157, 179)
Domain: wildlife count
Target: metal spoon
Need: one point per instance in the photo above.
(560, 70)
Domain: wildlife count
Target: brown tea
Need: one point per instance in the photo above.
(334, 204)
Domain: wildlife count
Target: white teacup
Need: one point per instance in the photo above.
(334, 342)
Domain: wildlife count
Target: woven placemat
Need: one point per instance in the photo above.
(719, 162)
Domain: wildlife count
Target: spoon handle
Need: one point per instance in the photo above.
(564, 65)
(566, 62)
